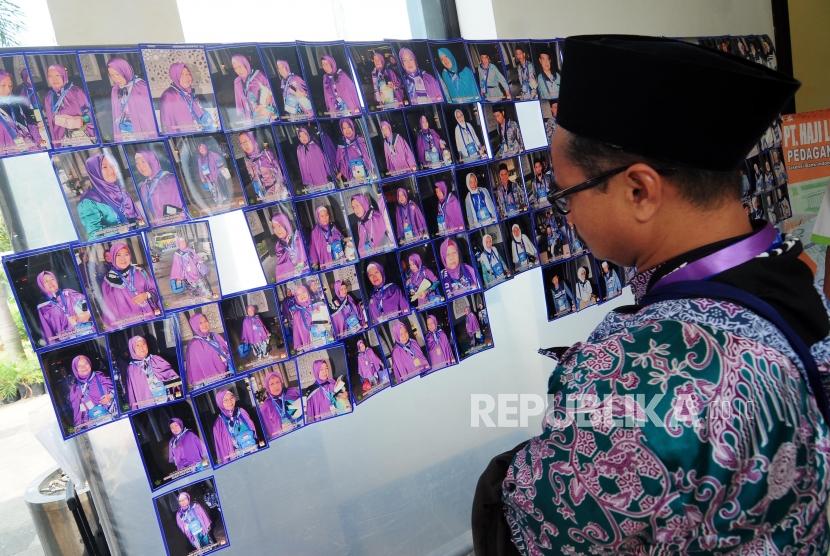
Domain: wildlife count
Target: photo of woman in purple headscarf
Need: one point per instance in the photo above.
(408, 359)
(410, 224)
(206, 355)
(121, 98)
(65, 314)
(422, 285)
(376, 68)
(314, 154)
(439, 346)
(296, 99)
(122, 291)
(151, 379)
(65, 102)
(236, 431)
(339, 92)
(289, 249)
(265, 179)
(398, 154)
(329, 396)
(100, 193)
(213, 174)
(448, 218)
(353, 163)
(367, 368)
(252, 102)
(91, 395)
(347, 315)
(181, 108)
(169, 442)
(280, 405)
(431, 148)
(374, 233)
(328, 246)
(191, 519)
(253, 324)
(457, 277)
(158, 186)
(188, 273)
(386, 299)
(307, 317)
(21, 128)
(421, 87)
(471, 326)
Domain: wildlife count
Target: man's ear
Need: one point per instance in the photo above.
(643, 190)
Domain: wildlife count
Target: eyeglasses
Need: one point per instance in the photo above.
(559, 199)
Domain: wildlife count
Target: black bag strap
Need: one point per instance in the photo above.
(708, 289)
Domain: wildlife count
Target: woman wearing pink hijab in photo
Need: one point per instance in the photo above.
(309, 321)
(348, 317)
(255, 333)
(289, 249)
(369, 366)
(67, 109)
(252, 93)
(106, 208)
(132, 107)
(408, 359)
(399, 156)
(234, 433)
(65, 314)
(329, 397)
(264, 169)
(352, 161)
(328, 246)
(438, 345)
(373, 233)
(280, 410)
(180, 108)
(146, 375)
(206, 355)
(159, 189)
(19, 130)
(193, 521)
(128, 292)
(91, 396)
(295, 96)
(339, 91)
(213, 174)
(457, 277)
(188, 274)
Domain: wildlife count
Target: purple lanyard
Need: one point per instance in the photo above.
(723, 259)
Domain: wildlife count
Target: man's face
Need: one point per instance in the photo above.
(485, 60)
(598, 215)
(499, 116)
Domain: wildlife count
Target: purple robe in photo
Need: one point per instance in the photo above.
(369, 365)
(160, 192)
(139, 373)
(248, 92)
(89, 391)
(290, 254)
(185, 266)
(132, 107)
(460, 279)
(352, 151)
(70, 100)
(295, 96)
(205, 357)
(17, 123)
(339, 91)
(449, 210)
(471, 325)
(96, 219)
(185, 449)
(415, 278)
(214, 162)
(200, 514)
(222, 439)
(386, 78)
(263, 167)
(372, 232)
(321, 402)
(386, 300)
(180, 108)
(120, 286)
(26, 89)
(301, 314)
(314, 167)
(421, 87)
(348, 310)
(54, 314)
(408, 217)
(408, 359)
(322, 237)
(274, 409)
(427, 140)
(398, 153)
(254, 331)
(438, 346)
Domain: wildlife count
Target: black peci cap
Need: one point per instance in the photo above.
(667, 99)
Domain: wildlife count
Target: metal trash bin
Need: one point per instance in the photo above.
(65, 519)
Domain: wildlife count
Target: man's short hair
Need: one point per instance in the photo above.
(702, 188)
(503, 166)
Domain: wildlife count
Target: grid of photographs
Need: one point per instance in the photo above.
(385, 186)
